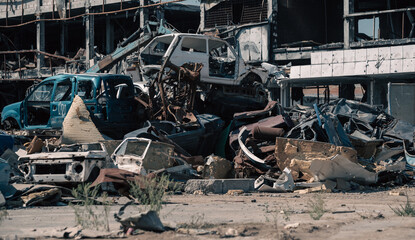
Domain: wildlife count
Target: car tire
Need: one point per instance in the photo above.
(9, 124)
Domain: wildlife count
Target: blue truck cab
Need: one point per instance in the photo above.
(113, 108)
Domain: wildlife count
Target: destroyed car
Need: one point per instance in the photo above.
(142, 155)
(47, 104)
(75, 163)
(197, 137)
(221, 64)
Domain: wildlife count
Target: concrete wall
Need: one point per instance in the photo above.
(365, 61)
(29, 6)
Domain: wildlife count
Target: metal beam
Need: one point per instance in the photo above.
(371, 13)
(143, 13)
(40, 37)
(109, 35)
(63, 38)
(89, 35)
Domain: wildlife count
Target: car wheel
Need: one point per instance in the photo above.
(10, 124)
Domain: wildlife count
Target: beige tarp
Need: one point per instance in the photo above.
(78, 126)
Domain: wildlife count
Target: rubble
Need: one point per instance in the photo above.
(191, 108)
(284, 183)
(6, 189)
(6, 142)
(35, 146)
(148, 220)
(217, 168)
(48, 197)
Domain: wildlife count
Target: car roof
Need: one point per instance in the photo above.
(85, 75)
(191, 35)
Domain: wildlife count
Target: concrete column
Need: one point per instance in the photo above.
(285, 95)
(202, 17)
(143, 13)
(40, 36)
(89, 35)
(63, 38)
(273, 34)
(348, 23)
(109, 35)
(378, 93)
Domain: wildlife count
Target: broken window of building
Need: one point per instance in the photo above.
(221, 60)
(236, 12)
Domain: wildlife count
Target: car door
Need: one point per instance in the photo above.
(223, 64)
(86, 89)
(120, 106)
(35, 108)
(191, 50)
(61, 101)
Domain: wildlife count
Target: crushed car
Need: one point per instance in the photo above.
(223, 76)
(143, 156)
(74, 163)
(197, 137)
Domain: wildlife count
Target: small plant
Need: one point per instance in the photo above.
(274, 215)
(316, 207)
(3, 214)
(150, 192)
(406, 210)
(87, 213)
(197, 221)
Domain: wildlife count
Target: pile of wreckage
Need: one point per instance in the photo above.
(342, 145)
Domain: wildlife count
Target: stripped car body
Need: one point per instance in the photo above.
(221, 64)
(75, 163)
(142, 155)
(196, 137)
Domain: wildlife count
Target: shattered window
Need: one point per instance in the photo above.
(135, 148)
(132, 147)
(85, 89)
(63, 91)
(194, 45)
(161, 48)
(42, 94)
(153, 53)
(221, 60)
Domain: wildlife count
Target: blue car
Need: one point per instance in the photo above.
(46, 105)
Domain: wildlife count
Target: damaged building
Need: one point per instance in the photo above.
(353, 49)
(39, 38)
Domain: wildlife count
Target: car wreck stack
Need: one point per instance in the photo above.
(339, 145)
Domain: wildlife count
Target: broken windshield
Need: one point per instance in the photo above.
(153, 53)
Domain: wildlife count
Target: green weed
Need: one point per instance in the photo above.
(316, 207)
(150, 193)
(88, 214)
(405, 210)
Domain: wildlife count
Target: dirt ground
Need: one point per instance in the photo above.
(360, 215)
